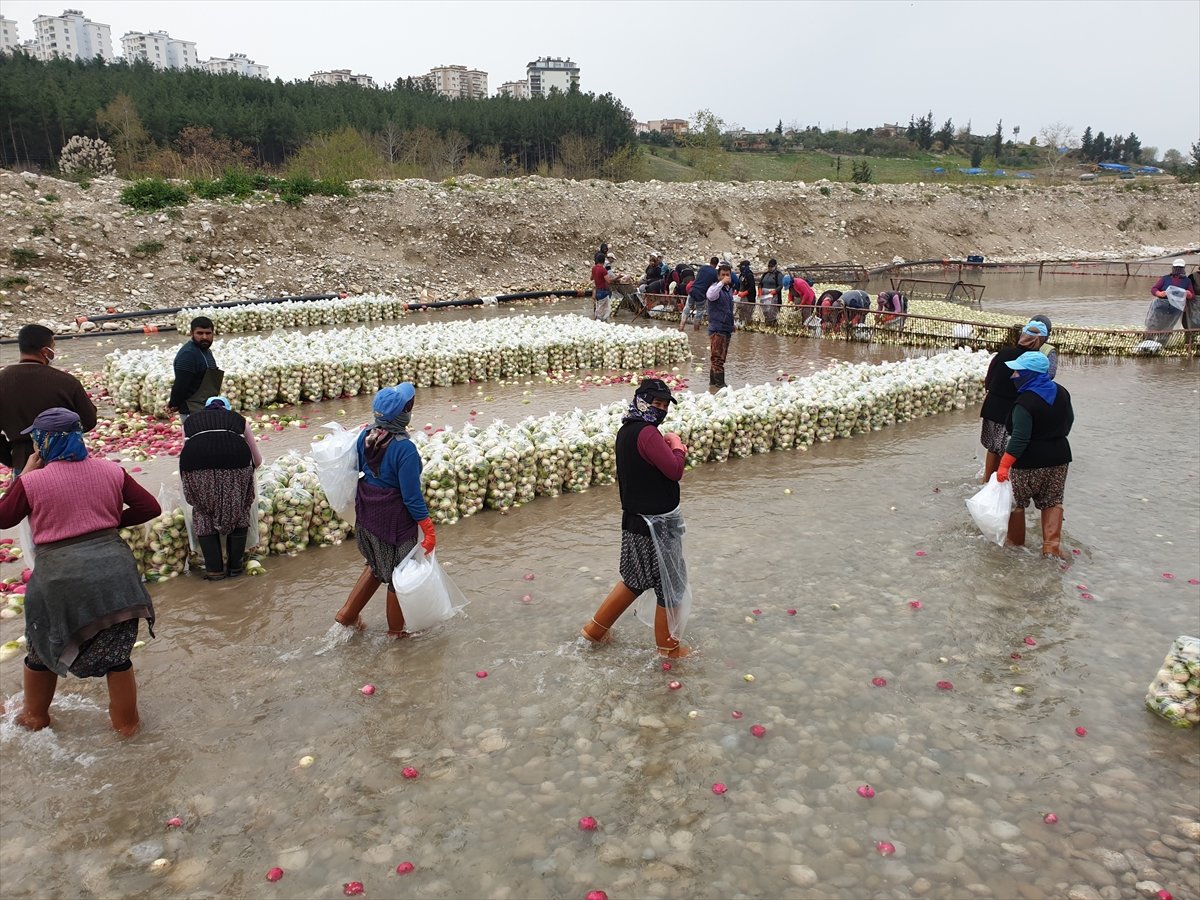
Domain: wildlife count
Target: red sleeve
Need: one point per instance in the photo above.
(652, 447)
(140, 503)
(15, 505)
(1158, 286)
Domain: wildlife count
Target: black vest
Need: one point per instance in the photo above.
(644, 489)
(1000, 387)
(215, 439)
(1048, 446)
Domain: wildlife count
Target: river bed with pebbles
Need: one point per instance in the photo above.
(835, 590)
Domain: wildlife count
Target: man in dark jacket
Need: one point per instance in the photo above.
(770, 291)
(720, 324)
(196, 374)
(31, 386)
(697, 295)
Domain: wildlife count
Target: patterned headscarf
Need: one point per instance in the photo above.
(642, 408)
(57, 435)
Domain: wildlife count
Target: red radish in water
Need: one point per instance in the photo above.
(404, 868)
(756, 612)
(481, 674)
(1050, 819)
(666, 667)
(353, 888)
(758, 730)
(915, 604)
(597, 895)
(1014, 655)
(1080, 731)
(791, 612)
(528, 576)
(674, 685)
(866, 791)
(175, 822)
(409, 772)
(274, 874)
(945, 686)
(1030, 641)
(879, 682)
(737, 714)
(367, 690)
(719, 788)
(921, 553)
(1164, 894)
(885, 848)
(587, 823)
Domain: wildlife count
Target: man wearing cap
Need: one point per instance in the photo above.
(30, 386)
(720, 324)
(196, 374)
(1038, 453)
(1172, 293)
(649, 468)
(770, 291)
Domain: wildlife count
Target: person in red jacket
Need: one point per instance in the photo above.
(85, 597)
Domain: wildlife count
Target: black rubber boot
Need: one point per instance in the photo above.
(214, 564)
(235, 547)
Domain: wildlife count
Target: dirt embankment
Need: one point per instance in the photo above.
(69, 251)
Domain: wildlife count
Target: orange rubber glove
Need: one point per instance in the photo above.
(430, 535)
(1006, 462)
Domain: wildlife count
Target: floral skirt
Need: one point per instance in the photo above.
(108, 650)
(639, 564)
(221, 499)
(1044, 486)
(380, 556)
(994, 437)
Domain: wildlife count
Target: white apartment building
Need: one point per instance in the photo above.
(341, 76)
(160, 50)
(9, 42)
(72, 36)
(235, 64)
(518, 90)
(458, 81)
(548, 72)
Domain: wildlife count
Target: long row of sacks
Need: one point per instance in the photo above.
(291, 368)
(503, 466)
(297, 313)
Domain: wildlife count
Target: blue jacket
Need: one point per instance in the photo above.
(720, 311)
(705, 278)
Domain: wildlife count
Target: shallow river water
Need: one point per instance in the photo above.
(248, 677)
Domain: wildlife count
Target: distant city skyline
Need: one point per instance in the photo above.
(846, 64)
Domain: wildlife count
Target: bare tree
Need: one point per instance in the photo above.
(390, 139)
(1057, 140)
(454, 150)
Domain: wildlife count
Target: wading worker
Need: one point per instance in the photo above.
(649, 468)
(1172, 293)
(389, 505)
(31, 386)
(720, 324)
(196, 374)
(999, 393)
(1038, 452)
(216, 467)
(85, 596)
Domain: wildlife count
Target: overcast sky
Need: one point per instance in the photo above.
(1119, 67)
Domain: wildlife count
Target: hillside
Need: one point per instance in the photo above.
(69, 251)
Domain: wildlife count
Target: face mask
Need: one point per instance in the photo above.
(49, 359)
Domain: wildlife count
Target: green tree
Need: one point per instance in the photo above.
(120, 123)
(976, 156)
(860, 172)
(998, 140)
(343, 155)
(945, 135)
(1133, 149)
(779, 128)
(925, 131)
(1086, 144)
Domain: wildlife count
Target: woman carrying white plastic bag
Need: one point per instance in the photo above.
(991, 507)
(649, 468)
(336, 459)
(389, 506)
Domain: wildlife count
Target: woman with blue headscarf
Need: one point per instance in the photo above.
(216, 466)
(85, 597)
(389, 507)
(1038, 453)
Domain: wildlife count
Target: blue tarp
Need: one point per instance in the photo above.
(999, 172)
(974, 170)
(939, 170)
(1024, 175)
(1115, 167)
(1150, 170)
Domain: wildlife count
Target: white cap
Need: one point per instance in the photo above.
(1178, 264)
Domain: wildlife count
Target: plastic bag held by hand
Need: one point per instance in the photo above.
(336, 459)
(991, 507)
(427, 595)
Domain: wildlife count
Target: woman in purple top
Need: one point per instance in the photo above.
(388, 504)
(649, 468)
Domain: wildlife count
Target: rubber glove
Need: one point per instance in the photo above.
(1006, 462)
(430, 535)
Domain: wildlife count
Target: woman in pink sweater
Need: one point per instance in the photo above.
(85, 597)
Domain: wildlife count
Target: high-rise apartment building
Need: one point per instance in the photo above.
(458, 81)
(341, 76)
(548, 72)
(9, 42)
(518, 90)
(235, 64)
(160, 50)
(71, 36)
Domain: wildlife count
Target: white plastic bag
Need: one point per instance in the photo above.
(666, 533)
(990, 509)
(336, 459)
(25, 542)
(425, 592)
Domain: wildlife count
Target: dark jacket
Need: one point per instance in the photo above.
(27, 389)
(190, 365)
(215, 439)
(1001, 390)
(720, 311)
(644, 489)
(1048, 444)
(705, 278)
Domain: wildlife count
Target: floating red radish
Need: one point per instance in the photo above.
(528, 576)
(914, 604)
(758, 730)
(1080, 731)
(866, 791)
(527, 598)
(587, 823)
(666, 667)
(1168, 576)
(353, 888)
(736, 714)
(274, 874)
(921, 553)
(945, 686)
(674, 685)
(756, 612)
(719, 788)
(410, 773)
(879, 682)
(1014, 655)
(791, 612)
(885, 848)
(1030, 641)
(1050, 819)
(175, 822)
(367, 690)
(597, 895)
(1164, 894)
(481, 674)
(404, 868)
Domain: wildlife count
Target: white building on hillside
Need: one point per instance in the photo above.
(235, 64)
(71, 36)
(518, 90)
(548, 72)
(341, 76)
(160, 50)
(9, 42)
(458, 82)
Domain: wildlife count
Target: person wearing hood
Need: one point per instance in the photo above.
(1038, 453)
(746, 293)
(216, 466)
(389, 506)
(85, 597)
(1034, 336)
(649, 468)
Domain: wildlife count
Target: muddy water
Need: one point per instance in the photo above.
(248, 677)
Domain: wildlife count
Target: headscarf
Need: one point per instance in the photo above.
(1032, 374)
(214, 402)
(1033, 335)
(393, 411)
(642, 409)
(57, 435)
